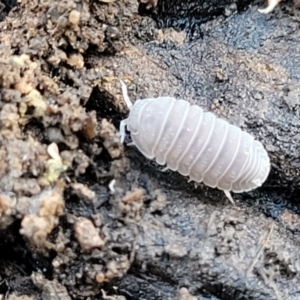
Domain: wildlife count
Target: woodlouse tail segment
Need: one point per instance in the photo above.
(229, 197)
(271, 5)
(125, 95)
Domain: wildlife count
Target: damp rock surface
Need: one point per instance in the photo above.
(84, 217)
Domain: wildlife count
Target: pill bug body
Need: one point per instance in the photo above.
(197, 144)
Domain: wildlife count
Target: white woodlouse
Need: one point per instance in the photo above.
(196, 144)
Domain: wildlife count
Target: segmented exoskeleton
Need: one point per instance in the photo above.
(196, 144)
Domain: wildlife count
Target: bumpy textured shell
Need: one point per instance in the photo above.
(198, 144)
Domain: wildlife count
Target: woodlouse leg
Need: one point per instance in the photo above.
(165, 169)
(123, 130)
(271, 5)
(125, 94)
(229, 197)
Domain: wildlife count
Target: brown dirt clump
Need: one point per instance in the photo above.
(49, 139)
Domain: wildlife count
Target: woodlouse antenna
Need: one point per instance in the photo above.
(125, 94)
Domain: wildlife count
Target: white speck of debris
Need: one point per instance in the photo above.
(271, 6)
(111, 186)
